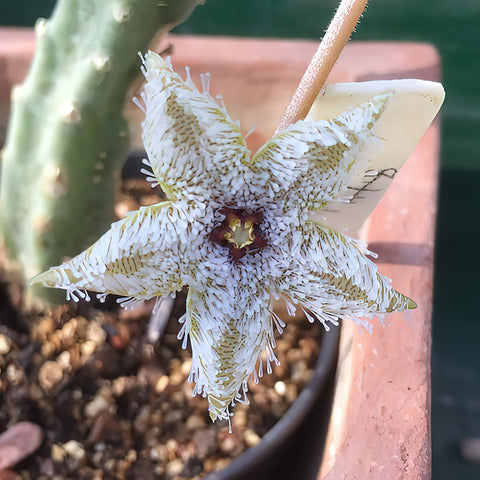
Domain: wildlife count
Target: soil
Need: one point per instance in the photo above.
(111, 404)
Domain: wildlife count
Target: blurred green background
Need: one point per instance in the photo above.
(453, 27)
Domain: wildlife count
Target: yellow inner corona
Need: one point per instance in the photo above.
(240, 235)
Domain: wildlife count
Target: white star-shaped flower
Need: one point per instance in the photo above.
(238, 230)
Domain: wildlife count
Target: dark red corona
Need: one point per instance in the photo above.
(239, 232)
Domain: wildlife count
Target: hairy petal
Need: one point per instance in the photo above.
(310, 164)
(140, 257)
(193, 146)
(228, 331)
(332, 278)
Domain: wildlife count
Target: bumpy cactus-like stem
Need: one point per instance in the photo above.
(67, 137)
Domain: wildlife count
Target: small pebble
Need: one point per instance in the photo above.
(177, 398)
(172, 448)
(125, 464)
(104, 422)
(291, 393)
(228, 444)
(159, 469)
(159, 453)
(97, 459)
(87, 348)
(14, 374)
(186, 366)
(36, 393)
(96, 334)
(57, 453)
(282, 346)
(294, 355)
(156, 417)
(205, 442)
(280, 388)
(97, 405)
(209, 465)
(50, 374)
(241, 416)
(110, 465)
(151, 373)
(75, 450)
(174, 416)
(47, 468)
(162, 384)
(97, 474)
(64, 361)
(221, 463)
(251, 438)
(67, 333)
(48, 349)
(308, 346)
(174, 467)
(120, 339)
(5, 344)
(176, 376)
(119, 386)
(44, 328)
(142, 419)
(152, 437)
(18, 442)
(100, 447)
(82, 327)
(187, 389)
(131, 456)
(195, 422)
(278, 409)
(300, 372)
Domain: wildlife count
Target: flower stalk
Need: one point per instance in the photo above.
(330, 48)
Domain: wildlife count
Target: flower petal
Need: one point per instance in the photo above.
(332, 278)
(194, 148)
(140, 257)
(309, 164)
(228, 331)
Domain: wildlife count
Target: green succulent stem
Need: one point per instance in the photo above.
(67, 137)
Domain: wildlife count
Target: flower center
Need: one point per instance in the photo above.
(239, 232)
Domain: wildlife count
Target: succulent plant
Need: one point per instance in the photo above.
(67, 137)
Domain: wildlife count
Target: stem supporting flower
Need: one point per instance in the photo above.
(330, 48)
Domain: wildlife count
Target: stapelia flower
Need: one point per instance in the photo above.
(237, 230)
